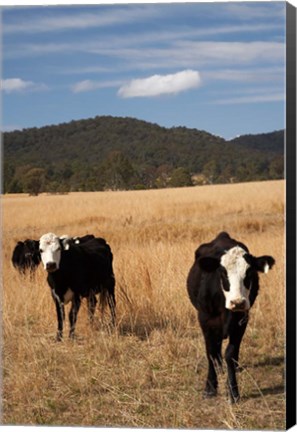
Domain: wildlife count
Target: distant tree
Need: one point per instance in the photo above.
(276, 168)
(34, 181)
(118, 172)
(210, 170)
(163, 175)
(148, 175)
(14, 187)
(180, 177)
(227, 174)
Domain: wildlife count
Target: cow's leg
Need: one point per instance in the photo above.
(60, 315)
(109, 286)
(92, 301)
(75, 305)
(236, 332)
(213, 342)
(213, 351)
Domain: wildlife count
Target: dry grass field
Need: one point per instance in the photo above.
(144, 373)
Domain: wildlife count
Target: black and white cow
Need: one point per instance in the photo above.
(223, 284)
(75, 272)
(26, 256)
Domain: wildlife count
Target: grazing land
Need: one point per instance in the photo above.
(150, 371)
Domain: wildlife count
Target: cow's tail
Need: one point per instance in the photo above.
(103, 298)
(107, 297)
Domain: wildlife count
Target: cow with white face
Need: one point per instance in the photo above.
(50, 251)
(223, 284)
(77, 268)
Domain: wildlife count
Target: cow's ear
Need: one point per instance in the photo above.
(263, 263)
(65, 245)
(208, 264)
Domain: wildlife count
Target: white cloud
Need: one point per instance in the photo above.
(157, 85)
(12, 85)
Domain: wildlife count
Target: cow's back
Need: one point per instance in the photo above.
(85, 266)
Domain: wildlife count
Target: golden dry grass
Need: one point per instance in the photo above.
(143, 374)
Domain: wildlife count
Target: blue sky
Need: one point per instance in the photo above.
(218, 67)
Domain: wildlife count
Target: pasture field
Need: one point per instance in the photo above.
(143, 374)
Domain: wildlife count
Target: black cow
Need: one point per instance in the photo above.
(26, 256)
(77, 271)
(223, 284)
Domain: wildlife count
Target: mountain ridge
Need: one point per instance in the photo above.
(107, 152)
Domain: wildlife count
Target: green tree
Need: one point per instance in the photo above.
(276, 168)
(118, 172)
(180, 177)
(211, 171)
(34, 181)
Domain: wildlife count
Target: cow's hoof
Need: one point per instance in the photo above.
(234, 399)
(209, 393)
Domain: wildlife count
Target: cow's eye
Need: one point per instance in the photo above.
(247, 280)
(225, 281)
(40, 250)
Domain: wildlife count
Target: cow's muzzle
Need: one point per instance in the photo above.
(238, 305)
(51, 267)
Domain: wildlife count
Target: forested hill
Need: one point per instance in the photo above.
(124, 153)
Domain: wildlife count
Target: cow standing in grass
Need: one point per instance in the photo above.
(77, 271)
(223, 284)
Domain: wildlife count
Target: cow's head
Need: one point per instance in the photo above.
(50, 251)
(31, 248)
(235, 269)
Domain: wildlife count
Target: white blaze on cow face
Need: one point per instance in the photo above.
(50, 251)
(237, 298)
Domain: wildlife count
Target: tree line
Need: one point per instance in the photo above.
(113, 153)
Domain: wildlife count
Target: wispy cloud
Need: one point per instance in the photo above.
(79, 70)
(157, 85)
(89, 85)
(232, 52)
(256, 98)
(271, 74)
(17, 85)
(245, 11)
(175, 55)
(75, 21)
(155, 44)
